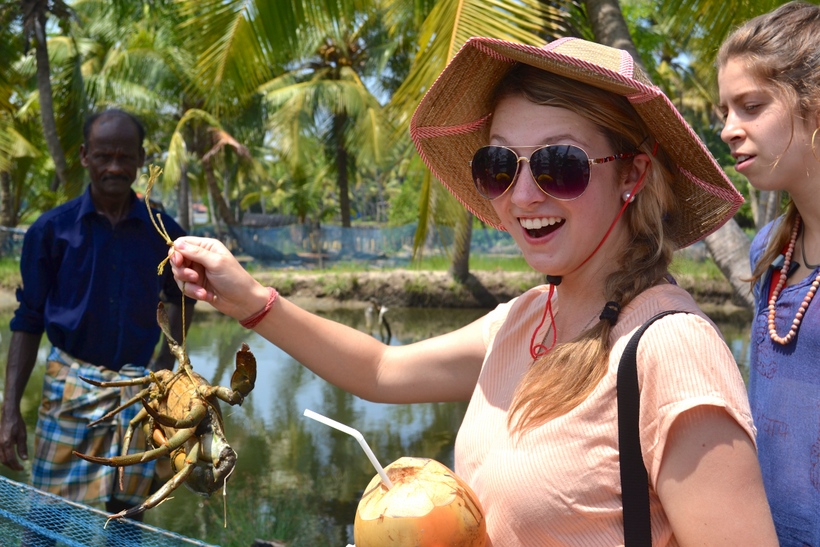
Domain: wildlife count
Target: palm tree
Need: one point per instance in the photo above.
(22, 166)
(34, 17)
(309, 61)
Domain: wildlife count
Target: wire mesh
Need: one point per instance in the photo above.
(33, 518)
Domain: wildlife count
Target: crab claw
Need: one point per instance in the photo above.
(164, 323)
(160, 495)
(244, 377)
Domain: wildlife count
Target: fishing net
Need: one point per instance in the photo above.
(32, 518)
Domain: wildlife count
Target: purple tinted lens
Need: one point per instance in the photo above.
(562, 171)
(494, 170)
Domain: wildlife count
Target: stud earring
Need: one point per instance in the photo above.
(628, 197)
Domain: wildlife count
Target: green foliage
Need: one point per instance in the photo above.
(10, 277)
(700, 269)
(339, 286)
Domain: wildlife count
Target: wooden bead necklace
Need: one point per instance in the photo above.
(780, 284)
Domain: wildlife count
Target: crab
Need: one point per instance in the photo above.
(182, 420)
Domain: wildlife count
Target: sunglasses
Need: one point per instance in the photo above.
(559, 170)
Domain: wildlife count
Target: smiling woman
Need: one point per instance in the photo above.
(540, 371)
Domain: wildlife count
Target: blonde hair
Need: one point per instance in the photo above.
(548, 390)
(782, 50)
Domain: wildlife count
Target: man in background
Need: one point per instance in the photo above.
(90, 282)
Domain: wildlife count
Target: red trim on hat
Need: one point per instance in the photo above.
(436, 131)
(723, 193)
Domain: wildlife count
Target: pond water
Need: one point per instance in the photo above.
(298, 480)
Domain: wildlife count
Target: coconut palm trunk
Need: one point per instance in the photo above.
(460, 265)
(8, 213)
(221, 207)
(732, 257)
(50, 134)
(184, 199)
(342, 161)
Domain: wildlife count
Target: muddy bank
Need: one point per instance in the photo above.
(411, 288)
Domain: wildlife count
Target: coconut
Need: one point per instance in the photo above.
(427, 506)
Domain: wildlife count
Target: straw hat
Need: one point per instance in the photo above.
(453, 120)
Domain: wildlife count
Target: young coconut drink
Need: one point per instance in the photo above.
(427, 506)
(414, 502)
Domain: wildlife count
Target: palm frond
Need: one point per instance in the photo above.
(452, 22)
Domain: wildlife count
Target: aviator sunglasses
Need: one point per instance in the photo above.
(559, 170)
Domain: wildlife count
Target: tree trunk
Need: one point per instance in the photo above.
(728, 246)
(47, 102)
(8, 212)
(609, 26)
(339, 122)
(765, 206)
(460, 266)
(220, 206)
(184, 199)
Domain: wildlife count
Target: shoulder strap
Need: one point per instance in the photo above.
(634, 480)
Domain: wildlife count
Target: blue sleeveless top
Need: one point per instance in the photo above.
(784, 392)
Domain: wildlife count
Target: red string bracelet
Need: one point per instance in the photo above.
(256, 318)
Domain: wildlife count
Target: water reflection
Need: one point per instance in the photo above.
(295, 479)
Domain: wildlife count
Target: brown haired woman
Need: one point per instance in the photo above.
(769, 79)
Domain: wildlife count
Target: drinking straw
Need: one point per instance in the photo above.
(356, 435)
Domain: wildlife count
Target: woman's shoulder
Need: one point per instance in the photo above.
(655, 300)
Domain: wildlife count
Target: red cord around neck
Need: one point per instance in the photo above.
(537, 349)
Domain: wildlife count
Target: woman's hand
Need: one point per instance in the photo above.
(206, 270)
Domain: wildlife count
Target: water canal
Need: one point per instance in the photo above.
(296, 479)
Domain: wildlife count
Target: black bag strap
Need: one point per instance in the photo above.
(634, 480)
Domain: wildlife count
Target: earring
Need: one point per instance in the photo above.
(628, 197)
(813, 152)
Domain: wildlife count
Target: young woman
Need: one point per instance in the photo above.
(769, 79)
(599, 180)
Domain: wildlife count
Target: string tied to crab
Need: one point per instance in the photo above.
(154, 172)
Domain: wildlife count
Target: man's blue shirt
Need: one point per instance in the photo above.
(93, 288)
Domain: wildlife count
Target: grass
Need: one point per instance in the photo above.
(439, 264)
(698, 269)
(10, 273)
(681, 266)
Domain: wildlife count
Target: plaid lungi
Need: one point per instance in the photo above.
(67, 407)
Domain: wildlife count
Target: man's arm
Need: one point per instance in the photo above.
(21, 361)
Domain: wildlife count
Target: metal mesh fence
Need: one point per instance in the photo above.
(11, 241)
(290, 242)
(32, 518)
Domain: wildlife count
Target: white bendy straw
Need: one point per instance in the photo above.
(356, 435)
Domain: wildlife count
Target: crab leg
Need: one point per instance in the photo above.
(191, 420)
(119, 383)
(129, 432)
(126, 404)
(176, 441)
(167, 488)
(126, 440)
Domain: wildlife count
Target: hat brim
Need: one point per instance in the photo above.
(452, 121)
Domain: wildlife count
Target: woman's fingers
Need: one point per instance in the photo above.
(211, 273)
